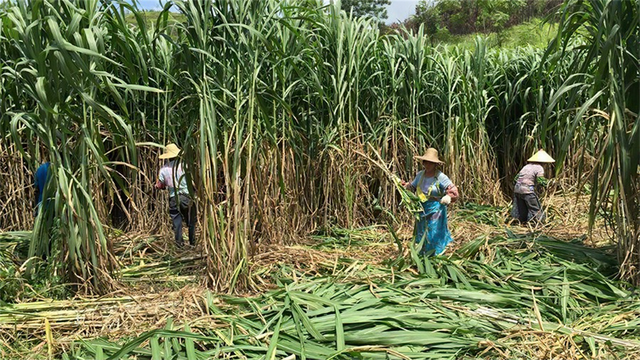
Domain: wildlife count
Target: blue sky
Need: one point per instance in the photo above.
(398, 10)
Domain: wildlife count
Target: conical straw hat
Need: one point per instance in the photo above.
(541, 157)
(430, 155)
(170, 151)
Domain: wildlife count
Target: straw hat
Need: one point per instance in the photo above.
(430, 155)
(541, 157)
(170, 151)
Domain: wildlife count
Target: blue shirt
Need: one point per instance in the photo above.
(434, 186)
(41, 179)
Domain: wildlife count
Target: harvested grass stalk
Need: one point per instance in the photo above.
(465, 306)
(410, 201)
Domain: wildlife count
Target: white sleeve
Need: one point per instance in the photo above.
(161, 176)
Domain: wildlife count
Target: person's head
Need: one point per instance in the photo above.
(171, 151)
(429, 166)
(430, 160)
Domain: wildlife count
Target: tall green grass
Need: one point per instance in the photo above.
(62, 98)
(273, 103)
(604, 34)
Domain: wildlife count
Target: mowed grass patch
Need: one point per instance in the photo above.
(506, 296)
(490, 300)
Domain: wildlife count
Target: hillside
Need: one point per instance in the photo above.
(151, 17)
(535, 33)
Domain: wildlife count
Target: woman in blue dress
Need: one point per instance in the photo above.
(435, 191)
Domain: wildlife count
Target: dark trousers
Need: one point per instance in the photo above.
(182, 208)
(528, 207)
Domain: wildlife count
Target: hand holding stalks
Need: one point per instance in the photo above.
(407, 185)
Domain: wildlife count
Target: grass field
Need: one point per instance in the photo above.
(500, 292)
(534, 33)
(297, 123)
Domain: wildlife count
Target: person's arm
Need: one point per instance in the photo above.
(540, 179)
(411, 186)
(407, 185)
(452, 192)
(160, 184)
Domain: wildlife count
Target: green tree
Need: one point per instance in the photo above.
(373, 8)
(429, 15)
(469, 16)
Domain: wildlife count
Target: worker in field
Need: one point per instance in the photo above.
(435, 191)
(41, 177)
(526, 204)
(181, 206)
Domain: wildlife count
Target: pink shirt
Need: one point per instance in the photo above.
(526, 181)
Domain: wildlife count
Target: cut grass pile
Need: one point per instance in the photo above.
(487, 302)
(510, 296)
(508, 293)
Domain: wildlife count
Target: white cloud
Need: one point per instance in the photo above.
(400, 10)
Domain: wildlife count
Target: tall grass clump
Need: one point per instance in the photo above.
(274, 104)
(604, 35)
(63, 99)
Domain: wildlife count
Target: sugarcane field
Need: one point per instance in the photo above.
(308, 179)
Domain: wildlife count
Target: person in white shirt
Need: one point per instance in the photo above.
(181, 206)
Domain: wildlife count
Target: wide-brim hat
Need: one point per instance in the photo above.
(170, 151)
(430, 155)
(541, 157)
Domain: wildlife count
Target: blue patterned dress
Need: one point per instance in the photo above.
(432, 230)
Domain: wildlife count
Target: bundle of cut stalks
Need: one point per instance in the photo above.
(97, 316)
(408, 199)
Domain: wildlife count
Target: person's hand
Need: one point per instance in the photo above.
(405, 184)
(446, 200)
(159, 185)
